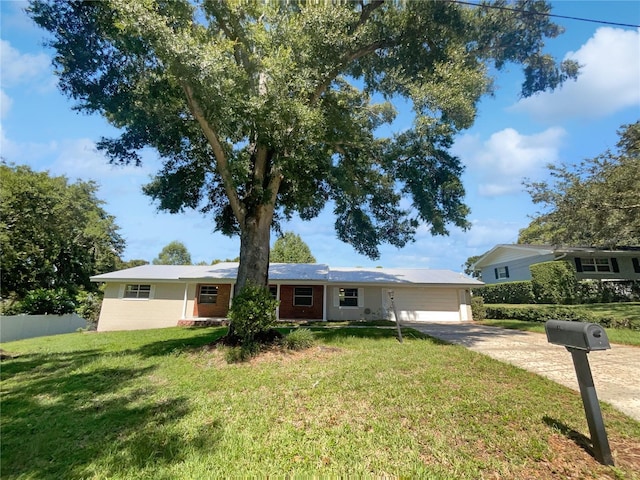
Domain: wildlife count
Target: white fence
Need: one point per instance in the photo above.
(17, 327)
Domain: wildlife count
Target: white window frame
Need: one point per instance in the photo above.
(596, 265)
(296, 296)
(339, 296)
(200, 294)
(124, 289)
(503, 272)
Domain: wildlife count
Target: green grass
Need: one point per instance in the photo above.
(623, 336)
(159, 404)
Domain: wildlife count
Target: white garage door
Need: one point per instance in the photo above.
(427, 304)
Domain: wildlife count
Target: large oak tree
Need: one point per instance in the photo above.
(265, 109)
(593, 203)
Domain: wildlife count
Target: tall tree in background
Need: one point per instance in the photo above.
(53, 234)
(265, 109)
(290, 248)
(174, 253)
(595, 203)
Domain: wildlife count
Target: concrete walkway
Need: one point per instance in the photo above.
(616, 372)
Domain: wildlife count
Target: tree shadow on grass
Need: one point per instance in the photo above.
(179, 345)
(79, 414)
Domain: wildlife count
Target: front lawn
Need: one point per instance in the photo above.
(623, 336)
(160, 404)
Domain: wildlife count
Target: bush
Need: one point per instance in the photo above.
(253, 312)
(599, 291)
(510, 292)
(554, 282)
(43, 301)
(88, 306)
(543, 313)
(478, 310)
(299, 339)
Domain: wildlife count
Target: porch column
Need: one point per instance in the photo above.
(324, 302)
(184, 302)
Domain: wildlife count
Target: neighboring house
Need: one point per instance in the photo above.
(510, 263)
(153, 296)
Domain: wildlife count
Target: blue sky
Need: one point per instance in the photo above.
(512, 139)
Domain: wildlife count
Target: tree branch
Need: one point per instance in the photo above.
(222, 163)
(331, 76)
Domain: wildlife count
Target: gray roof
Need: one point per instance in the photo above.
(301, 272)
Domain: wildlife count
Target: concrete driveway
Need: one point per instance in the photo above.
(616, 372)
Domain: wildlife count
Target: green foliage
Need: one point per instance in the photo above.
(53, 234)
(290, 248)
(593, 203)
(553, 282)
(299, 339)
(261, 110)
(175, 253)
(241, 353)
(508, 292)
(88, 305)
(544, 313)
(478, 310)
(468, 270)
(597, 291)
(47, 301)
(252, 312)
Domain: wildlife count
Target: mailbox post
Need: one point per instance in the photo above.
(580, 338)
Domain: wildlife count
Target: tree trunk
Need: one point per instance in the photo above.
(254, 248)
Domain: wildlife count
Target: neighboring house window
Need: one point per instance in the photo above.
(348, 297)
(273, 290)
(636, 264)
(596, 265)
(501, 272)
(137, 291)
(303, 296)
(208, 294)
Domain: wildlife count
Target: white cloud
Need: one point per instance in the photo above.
(609, 80)
(500, 163)
(81, 157)
(5, 104)
(18, 68)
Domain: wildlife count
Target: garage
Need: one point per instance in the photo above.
(424, 304)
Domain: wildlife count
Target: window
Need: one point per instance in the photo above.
(208, 294)
(348, 297)
(303, 296)
(501, 272)
(596, 265)
(273, 290)
(137, 291)
(636, 264)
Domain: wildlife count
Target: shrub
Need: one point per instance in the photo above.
(88, 306)
(598, 291)
(553, 282)
(511, 292)
(478, 310)
(299, 339)
(253, 312)
(43, 301)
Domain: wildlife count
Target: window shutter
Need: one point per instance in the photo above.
(636, 265)
(614, 265)
(578, 264)
(495, 270)
(336, 297)
(361, 297)
(506, 271)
